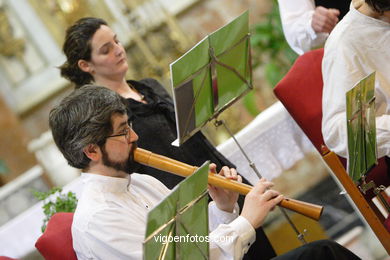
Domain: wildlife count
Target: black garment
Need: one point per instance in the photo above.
(155, 124)
(319, 250)
(341, 5)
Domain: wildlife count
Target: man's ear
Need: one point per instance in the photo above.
(92, 151)
(85, 66)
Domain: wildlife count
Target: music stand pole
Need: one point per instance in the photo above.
(300, 236)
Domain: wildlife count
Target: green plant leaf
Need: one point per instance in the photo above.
(55, 201)
(270, 49)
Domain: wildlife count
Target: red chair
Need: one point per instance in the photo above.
(56, 242)
(300, 91)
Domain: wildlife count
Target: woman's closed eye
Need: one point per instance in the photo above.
(104, 50)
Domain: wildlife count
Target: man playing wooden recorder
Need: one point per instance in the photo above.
(91, 129)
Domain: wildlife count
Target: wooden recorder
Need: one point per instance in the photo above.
(166, 164)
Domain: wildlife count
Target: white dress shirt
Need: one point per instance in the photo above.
(357, 46)
(296, 16)
(110, 219)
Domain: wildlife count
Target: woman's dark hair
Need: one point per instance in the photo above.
(77, 46)
(379, 6)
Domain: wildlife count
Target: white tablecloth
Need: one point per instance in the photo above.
(19, 235)
(272, 141)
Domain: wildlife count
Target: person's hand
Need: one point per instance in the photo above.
(224, 199)
(324, 19)
(259, 202)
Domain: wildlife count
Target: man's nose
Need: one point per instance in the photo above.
(133, 136)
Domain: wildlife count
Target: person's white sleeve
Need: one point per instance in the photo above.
(339, 74)
(383, 135)
(232, 235)
(296, 16)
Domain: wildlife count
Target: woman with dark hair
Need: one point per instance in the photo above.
(95, 55)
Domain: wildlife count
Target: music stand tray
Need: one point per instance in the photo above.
(361, 127)
(211, 76)
(177, 227)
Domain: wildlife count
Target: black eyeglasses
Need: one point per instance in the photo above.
(126, 132)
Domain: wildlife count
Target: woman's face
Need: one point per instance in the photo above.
(108, 57)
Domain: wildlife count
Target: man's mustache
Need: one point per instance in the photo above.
(134, 146)
(133, 166)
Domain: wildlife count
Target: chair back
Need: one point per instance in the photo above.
(300, 91)
(56, 242)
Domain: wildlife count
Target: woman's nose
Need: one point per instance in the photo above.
(119, 49)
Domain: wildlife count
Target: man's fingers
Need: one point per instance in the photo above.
(229, 173)
(262, 186)
(332, 18)
(233, 174)
(334, 11)
(269, 194)
(213, 168)
(225, 172)
(321, 10)
(324, 20)
(275, 201)
(278, 199)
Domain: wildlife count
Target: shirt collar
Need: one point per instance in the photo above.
(107, 183)
(367, 19)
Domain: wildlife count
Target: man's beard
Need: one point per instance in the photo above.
(128, 166)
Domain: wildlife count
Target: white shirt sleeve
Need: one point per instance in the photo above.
(383, 135)
(339, 74)
(296, 16)
(232, 235)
